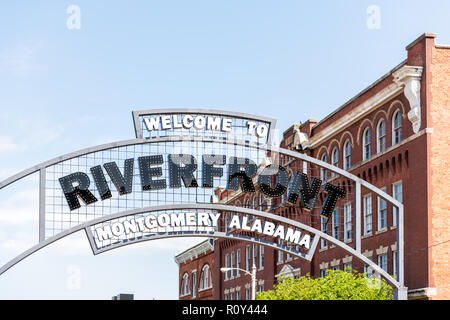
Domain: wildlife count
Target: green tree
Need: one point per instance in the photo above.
(337, 285)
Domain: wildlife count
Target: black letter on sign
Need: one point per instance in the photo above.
(209, 171)
(123, 183)
(176, 171)
(148, 172)
(243, 177)
(308, 191)
(281, 181)
(81, 190)
(100, 182)
(333, 194)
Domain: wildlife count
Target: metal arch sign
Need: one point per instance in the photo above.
(162, 184)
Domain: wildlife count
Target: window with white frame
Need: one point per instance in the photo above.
(382, 261)
(397, 127)
(205, 278)
(247, 294)
(227, 265)
(238, 262)
(335, 268)
(261, 288)
(232, 264)
(288, 255)
(261, 202)
(194, 284)
(348, 267)
(397, 194)
(382, 212)
(347, 222)
(335, 224)
(394, 263)
(280, 253)
(247, 258)
(323, 272)
(347, 155)
(368, 271)
(261, 257)
(323, 171)
(231, 295)
(367, 211)
(238, 295)
(255, 255)
(323, 228)
(255, 203)
(381, 136)
(185, 285)
(226, 296)
(335, 159)
(367, 144)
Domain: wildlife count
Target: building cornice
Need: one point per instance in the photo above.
(356, 114)
(195, 251)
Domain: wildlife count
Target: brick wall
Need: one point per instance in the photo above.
(439, 159)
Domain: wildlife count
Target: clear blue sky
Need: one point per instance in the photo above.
(62, 90)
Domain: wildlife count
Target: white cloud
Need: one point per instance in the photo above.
(21, 59)
(21, 208)
(7, 144)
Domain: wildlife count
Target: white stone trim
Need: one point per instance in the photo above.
(368, 254)
(382, 250)
(335, 262)
(410, 77)
(394, 247)
(194, 252)
(360, 111)
(347, 259)
(422, 293)
(323, 265)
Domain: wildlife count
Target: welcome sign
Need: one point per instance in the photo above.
(183, 175)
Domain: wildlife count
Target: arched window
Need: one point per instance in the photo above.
(335, 159)
(367, 145)
(247, 204)
(397, 127)
(255, 202)
(347, 155)
(185, 285)
(261, 202)
(381, 136)
(323, 171)
(205, 278)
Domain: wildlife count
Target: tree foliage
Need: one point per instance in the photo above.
(337, 285)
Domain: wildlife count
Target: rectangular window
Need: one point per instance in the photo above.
(232, 264)
(348, 222)
(335, 268)
(367, 207)
(323, 272)
(247, 294)
(255, 253)
(382, 261)
(261, 257)
(394, 264)
(238, 262)
(227, 265)
(323, 228)
(226, 297)
(397, 194)
(232, 296)
(238, 295)
(261, 288)
(348, 267)
(247, 258)
(280, 253)
(336, 224)
(194, 284)
(382, 213)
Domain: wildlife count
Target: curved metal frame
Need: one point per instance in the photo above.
(358, 183)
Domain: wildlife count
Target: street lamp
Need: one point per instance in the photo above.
(252, 274)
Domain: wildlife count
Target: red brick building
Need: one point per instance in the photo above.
(395, 135)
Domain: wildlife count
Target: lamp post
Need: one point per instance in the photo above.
(252, 274)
